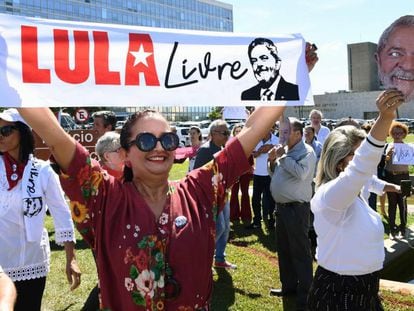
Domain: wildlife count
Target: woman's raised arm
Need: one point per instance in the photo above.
(258, 125)
(45, 124)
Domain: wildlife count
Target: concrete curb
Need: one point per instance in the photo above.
(397, 287)
(396, 254)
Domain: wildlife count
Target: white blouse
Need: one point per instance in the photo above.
(20, 259)
(350, 233)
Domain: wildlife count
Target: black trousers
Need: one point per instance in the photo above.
(394, 200)
(331, 291)
(92, 302)
(29, 294)
(294, 250)
(262, 195)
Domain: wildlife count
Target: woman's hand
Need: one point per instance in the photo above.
(311, 56)
(388, 102)
(271, 155)
(389, 155)
(73, 273)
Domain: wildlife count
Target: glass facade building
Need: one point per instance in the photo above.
(178, 14)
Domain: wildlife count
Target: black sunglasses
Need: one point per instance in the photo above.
(7, 130)
(147, 141)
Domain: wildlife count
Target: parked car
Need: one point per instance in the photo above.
(410, 127)
(120, 124)
(122, 115)
(182, 132)
(67, 122)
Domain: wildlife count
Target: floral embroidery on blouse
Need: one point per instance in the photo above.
(147, 267)
(219, 188)
(146, 272)
(79, 211)
(89, 180)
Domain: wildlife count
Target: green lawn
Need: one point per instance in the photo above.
(244, 289)
(408, 139)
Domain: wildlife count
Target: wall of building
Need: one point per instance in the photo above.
(362, 68)
(358, 105)
(188, 14)
(179, 14)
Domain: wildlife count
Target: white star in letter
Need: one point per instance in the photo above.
(140, 56)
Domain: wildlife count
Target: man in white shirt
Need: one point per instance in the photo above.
(262, 197)
(321, 132)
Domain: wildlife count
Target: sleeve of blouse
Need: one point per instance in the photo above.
(59, 209)
(84, 184)
(377, 185)
(339, 193)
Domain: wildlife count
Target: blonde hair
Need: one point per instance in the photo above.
(336, 147)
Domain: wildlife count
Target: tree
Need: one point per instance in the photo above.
(215, 113)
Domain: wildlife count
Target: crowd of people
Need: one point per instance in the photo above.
(155, 241)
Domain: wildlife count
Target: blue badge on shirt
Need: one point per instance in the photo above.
(180, 221)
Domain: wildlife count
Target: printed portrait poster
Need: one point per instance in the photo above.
(403, 154)
(61, 63)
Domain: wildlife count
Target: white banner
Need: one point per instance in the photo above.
(403, 154)
(59, 63)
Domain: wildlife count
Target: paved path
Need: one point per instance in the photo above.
(410, 208)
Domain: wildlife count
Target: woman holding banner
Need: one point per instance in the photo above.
(153, 238)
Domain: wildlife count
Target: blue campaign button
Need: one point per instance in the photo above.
(180, 221)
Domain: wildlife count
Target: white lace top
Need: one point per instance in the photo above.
(20, 259)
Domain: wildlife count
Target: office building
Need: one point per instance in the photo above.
(362, 68)
(178, 14)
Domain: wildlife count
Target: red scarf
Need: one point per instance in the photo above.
(14, 170)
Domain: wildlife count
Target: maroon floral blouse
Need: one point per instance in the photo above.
(135, 252)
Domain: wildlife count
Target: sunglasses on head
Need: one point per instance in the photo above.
(7, 130)
(147, 141)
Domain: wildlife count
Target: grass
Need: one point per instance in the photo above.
(244, 289)
(408, 139)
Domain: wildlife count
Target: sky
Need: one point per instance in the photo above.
(330, 24)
